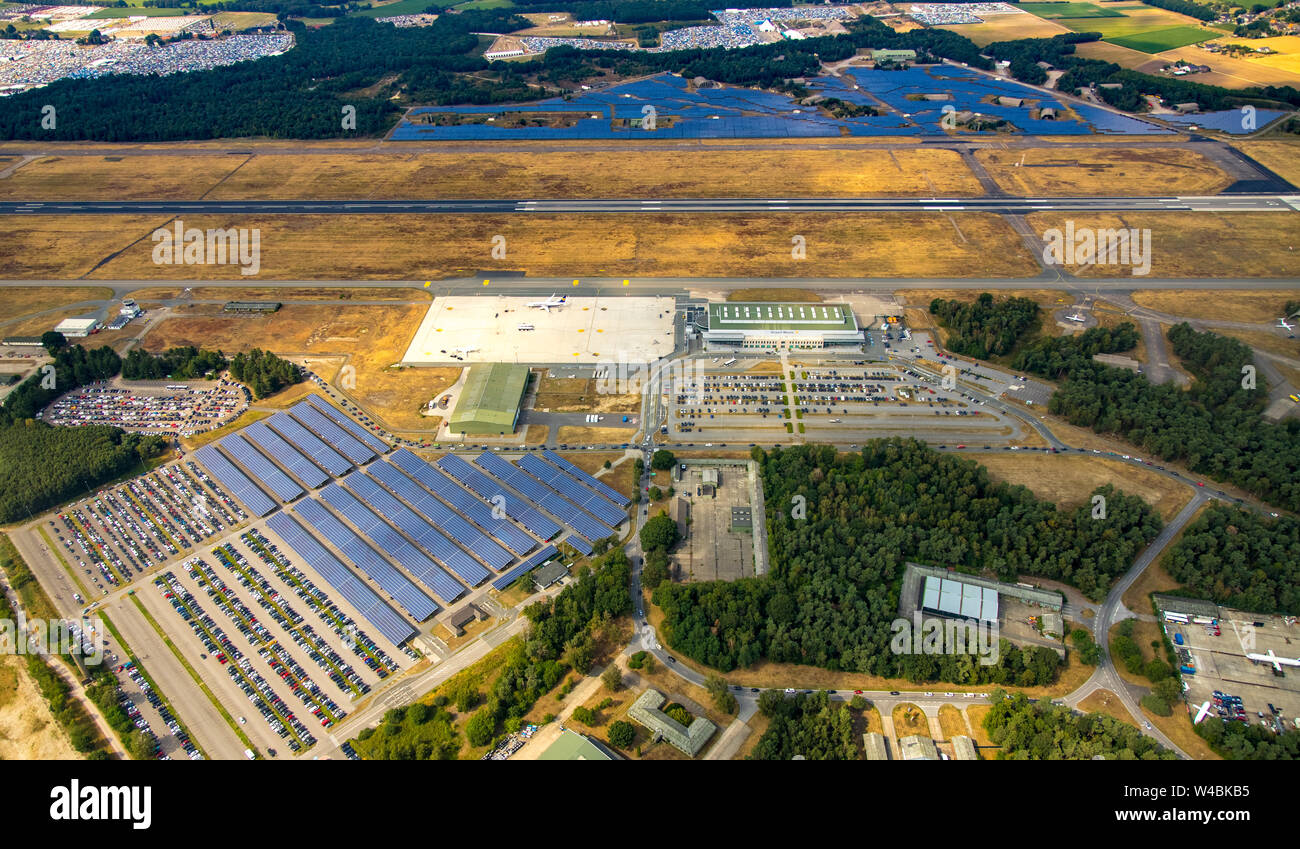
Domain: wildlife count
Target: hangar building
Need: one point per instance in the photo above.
(489, 403)
(781, 326)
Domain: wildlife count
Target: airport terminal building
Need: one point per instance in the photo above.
(781, 326)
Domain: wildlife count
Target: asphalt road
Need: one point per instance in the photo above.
(1005, 205)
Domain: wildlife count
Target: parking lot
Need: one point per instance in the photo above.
(1221, 666)
(176, 409)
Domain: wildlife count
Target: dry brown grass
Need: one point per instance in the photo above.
(601, 173)
(536, 434)
(379, 337)
(909, 720)
(128, 178)
(975, 717)
(305, 247)
(1069, 479)
(1264, 341)
(1178, 728)
(953, 722)
(1237, 245)
(19, 301)
(1282, 156)
(578, 435)
(1105, 702)
(580, 395)
(754, 295)
(1231, 72)
(192, 443)
(1262, 306)
(921, 298)
(1109, 171)
(1125, 57)
(1007, 28)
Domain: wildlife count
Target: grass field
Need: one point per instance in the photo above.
(1145, 28)
(953, 722)
(1263, 306)
(975, 717)
(1069, 479)
(641, 173)
(783, 295)
(1105, 702)
(304, 247)
(1109, 171)
(376, 337)
(19, 301)
(285, 293)
(236, 21)
(1198, 245)
(1007, 28)
(909, 719)
(1069, 10)
(1282, 157)
(389, 10)
(1160, 40)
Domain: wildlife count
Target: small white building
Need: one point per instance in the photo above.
(77, 327)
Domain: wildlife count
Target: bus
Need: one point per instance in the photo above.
(1177, 617)
(730, 361)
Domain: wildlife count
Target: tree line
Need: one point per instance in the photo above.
(1028, 731)
(73, 367)
(985, 328)
(263, 372)
(184, 363)
(1240, 559)
(1215, 428)
(833, 588)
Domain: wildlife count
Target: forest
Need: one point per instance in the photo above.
(1041, 731)
(1245, 741)
(832, 591)
(41, 466)
(1240, 559)
(263, 372)
(185, 363)
(1215, 428)
(986, 327)
(810, 725)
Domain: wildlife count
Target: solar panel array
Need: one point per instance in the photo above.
(582, 477)
(310, 444)
(392, 543)
(442, 516)
(369, 439)
(580, 544)
(393, 582)
(507, 578)
(354, 591)
(263, 469)
(464, 501)
(597, 505)
(515, 508)
(285, 454)
(235, 481)
(545, 497)
(340, 439)
(427, 535)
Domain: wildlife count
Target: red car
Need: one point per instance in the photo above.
(1198, 483)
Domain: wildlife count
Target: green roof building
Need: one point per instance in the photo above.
(573, 746)
(781, 326)
(489, 402)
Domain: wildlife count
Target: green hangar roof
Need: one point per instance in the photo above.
(489, 402)
(737, 315)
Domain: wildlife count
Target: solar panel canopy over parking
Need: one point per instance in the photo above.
(309, 443)
(508, 577)
(463, 500)
(337, 437)
(579, 544)
(582, 477)
(545, 497)
(354, 591)
(595, 504)
(393, 582)
(236, 482)
(261, 468)
(442, 516)
(371, 441)
(285, 454)
(392, 543)
(429, 537)
(489, 489)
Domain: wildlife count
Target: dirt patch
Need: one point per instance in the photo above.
(27, 730)
(1105, 171)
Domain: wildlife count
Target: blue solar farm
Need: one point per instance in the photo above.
(730, 112)
(406, 535)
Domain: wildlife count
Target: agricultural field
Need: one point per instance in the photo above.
(1145, 170)
(1007, 28)
(307, 247)
(1069, 10)
(1281, 68)
(1143, 28)
(372, 338)
(1197, 245)
(236, 21)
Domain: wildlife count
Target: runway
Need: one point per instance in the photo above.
(998, 205)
